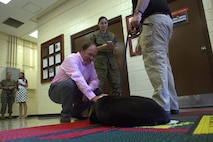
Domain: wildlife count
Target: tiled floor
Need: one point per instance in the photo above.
(32, 121)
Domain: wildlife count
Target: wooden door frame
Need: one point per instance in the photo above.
(91, 29)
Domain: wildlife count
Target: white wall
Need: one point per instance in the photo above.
(77, 15)
(68, 19)
(25, 58)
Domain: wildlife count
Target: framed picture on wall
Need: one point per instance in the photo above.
(57, 46)
(58, 58)
(51, 49)
(45, 63)
(133, 39)
(45, 74)
(128, 20)
(51, 72)
(52, 55)
(51, 60)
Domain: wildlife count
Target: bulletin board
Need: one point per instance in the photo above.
(52, 55)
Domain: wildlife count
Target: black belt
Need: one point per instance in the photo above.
(165, 13)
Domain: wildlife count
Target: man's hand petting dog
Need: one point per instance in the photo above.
(95, 99)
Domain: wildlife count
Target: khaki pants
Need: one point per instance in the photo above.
(154, 41)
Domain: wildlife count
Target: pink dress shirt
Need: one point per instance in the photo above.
(84, 75)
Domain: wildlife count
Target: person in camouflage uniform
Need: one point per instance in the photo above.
(105, 63)
(7, 96)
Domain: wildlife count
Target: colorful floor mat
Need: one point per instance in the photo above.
(192, 127)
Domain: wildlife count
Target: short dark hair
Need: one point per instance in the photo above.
(23, 74)
(102, 17)
(86, 45)
(8, 73)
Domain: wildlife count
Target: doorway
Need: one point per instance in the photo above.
(191, 55)
(115, 26)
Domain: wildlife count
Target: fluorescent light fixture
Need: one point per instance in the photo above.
(34, 34)
(5, 1)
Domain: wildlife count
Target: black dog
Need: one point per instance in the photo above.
(128, 112)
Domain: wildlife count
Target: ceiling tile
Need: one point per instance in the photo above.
(30, 7)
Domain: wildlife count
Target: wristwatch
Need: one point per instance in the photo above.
(138, 11)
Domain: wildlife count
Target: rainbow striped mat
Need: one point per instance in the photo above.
(196, 126)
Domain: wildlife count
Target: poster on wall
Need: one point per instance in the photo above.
(45, 64)
(51, 72)
(57, 46)
(51, 49)
(45, 74)
(51, 60)
(180, 16)
(58, 58)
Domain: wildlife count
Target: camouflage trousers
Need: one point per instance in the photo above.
(107, 68)
(7, 99)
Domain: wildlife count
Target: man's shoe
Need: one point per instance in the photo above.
(64, 119)
(2, 117)
(172, 111)
(10, 116)
(80, 117)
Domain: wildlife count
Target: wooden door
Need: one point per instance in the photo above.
(115, 26)
(190, 50)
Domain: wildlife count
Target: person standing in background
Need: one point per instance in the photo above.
(105, 63)
(155, 17)
(21, 95)
(7, 96)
